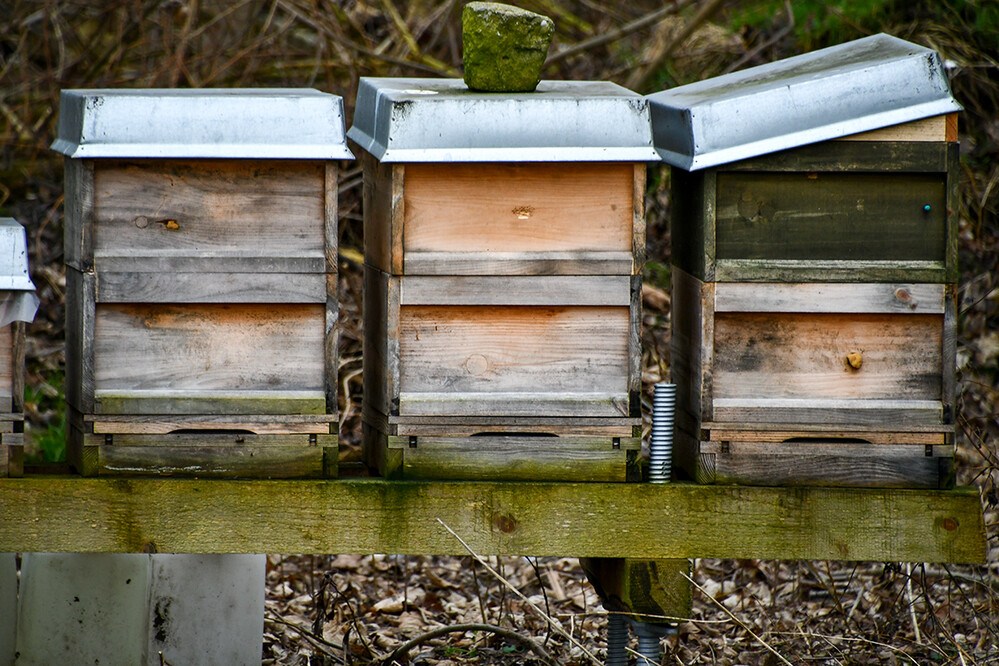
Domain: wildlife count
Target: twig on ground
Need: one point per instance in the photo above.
(737, 620)
(551, 622)
(534, 646)
(321, 642)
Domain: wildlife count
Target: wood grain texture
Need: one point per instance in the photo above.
(833, 412)
(844, 468)
(869, 156)
(249, 207)
(803, 356)
(553, 290)
(512, 207)
(209, 440)
(519, 263)
(257, 424)
(9, 368)
(147, 287)
(229, 462)
(331, 333)
(78, 225)
(81, 299)
(807, 434)
(691, 343)
(381, 341)
(934, 128)
(466, 426)
(542, 519)
(504, 458)
(854, 216)
(953, 274)
(203, 348)
(515, 404)
(455, 351)
(638, 218)
(831, 270)
(169, 402)
(19, 345)
(819, 297)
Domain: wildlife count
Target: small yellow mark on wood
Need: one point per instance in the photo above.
(523, 212)
(855, 359)
(169, 224)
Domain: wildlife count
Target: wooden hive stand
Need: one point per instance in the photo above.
(502, 281)
(813, 329)
(202, 281)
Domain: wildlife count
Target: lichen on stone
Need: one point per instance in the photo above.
(504, 46)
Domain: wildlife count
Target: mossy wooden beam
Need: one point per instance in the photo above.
(71, 514)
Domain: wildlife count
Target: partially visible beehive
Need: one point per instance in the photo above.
(201, 244)
(813, 279)
(504, 242)
(17, 306)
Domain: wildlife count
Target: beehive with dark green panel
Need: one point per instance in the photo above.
(814, 260)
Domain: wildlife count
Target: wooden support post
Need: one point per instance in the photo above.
(650, 590)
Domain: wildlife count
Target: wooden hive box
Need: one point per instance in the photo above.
(814, 261)
(504, 242)
(18, 304)
(201, 250)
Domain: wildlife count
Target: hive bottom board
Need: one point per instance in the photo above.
(788, 456)
(503, 449)
(257, 447)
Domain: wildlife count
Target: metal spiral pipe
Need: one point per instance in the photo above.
(617, 640)
(661, 445)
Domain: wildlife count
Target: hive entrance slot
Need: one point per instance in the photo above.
(514, 434)
(826, 440)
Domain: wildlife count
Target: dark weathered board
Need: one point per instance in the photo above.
(839, 211)
(649, 590)
(559, 519)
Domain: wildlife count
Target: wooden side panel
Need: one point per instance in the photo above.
(180, 207)
(150, 287)
(638, 218)
(855, 216)
(690, 352)
(503, 458)
(229, 462)
(790, 355)
(331, 333)
(383, 210)
(836, 464)
(80, 318)
(78, 239)
(381, 342)
(536, 351)
(550, 290)
(934, 128)
(692, 221)
(9, 369)
(191, 348)
(824, 297)
(519, 207)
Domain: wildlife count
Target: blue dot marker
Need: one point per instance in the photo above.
(926, 208)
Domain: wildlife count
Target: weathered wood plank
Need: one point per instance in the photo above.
(519, 207)
(453, 352)
(148, 287)
(934, 128)
(381, 341)
(377, 195)
(201, 348)
(248, 206)
(167, 401)
(688, 346)
(855, 216)
(258, 424)
(505, 458)
(81, 299)
(804, 356)
(209, 440)
(638, 218)
(443, 426)
(209, 262)
(78, 231)
(832, 270)
(208, 461)
(17, 377)
(833, 412)
(9, 369)
(872, 156)
(819, 297)
(519, 263)
(557, 519)
(839, 465)
(331, 331)
(550, 290)
(556, 403)
(769, 432)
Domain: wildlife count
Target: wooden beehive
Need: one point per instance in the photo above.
(17, 305)
(813, 287)
(201, 281)
(502, 280)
